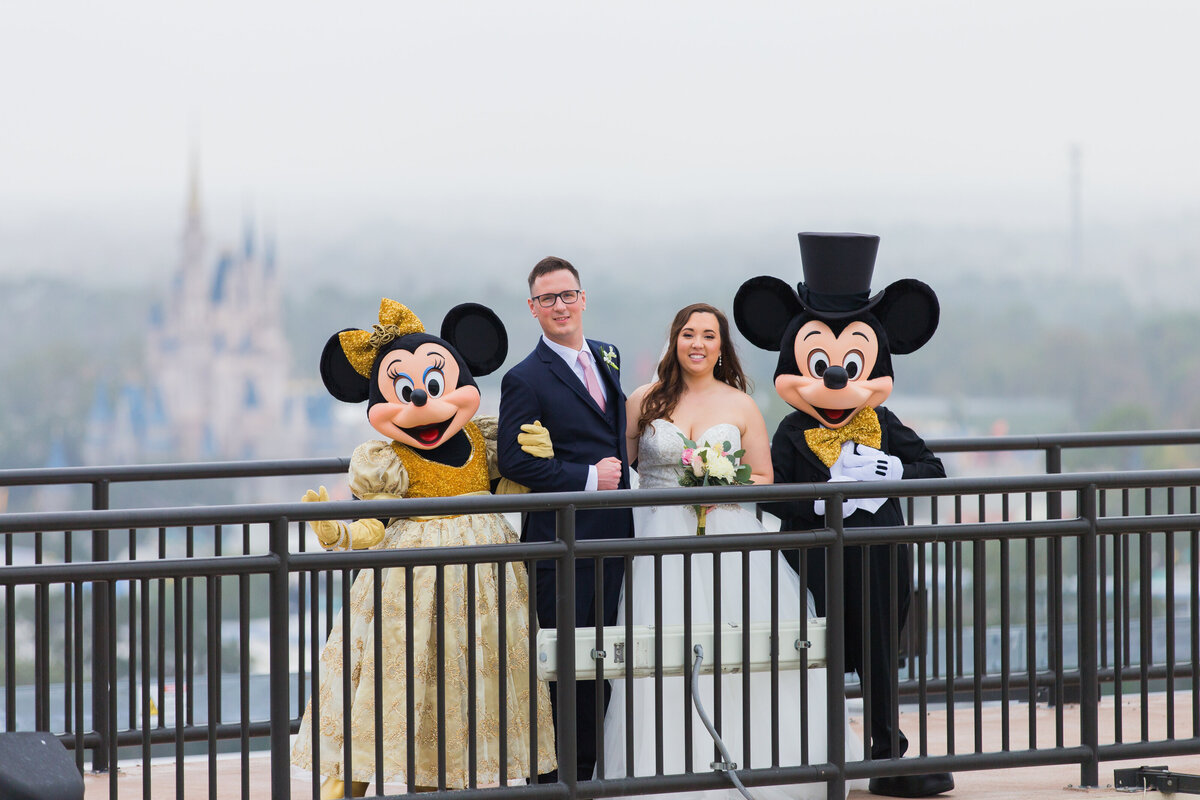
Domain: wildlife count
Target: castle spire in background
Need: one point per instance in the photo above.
(193, 202)
(216, 379)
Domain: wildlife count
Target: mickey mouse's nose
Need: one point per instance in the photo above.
(419, 397)
(835, 378)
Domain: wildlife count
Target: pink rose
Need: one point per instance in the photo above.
(688, 454)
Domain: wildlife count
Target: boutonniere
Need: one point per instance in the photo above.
(610, 357)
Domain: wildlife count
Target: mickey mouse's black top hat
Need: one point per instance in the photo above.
(837, 273)
(837, 285)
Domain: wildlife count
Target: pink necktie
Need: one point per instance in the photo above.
(589, 378)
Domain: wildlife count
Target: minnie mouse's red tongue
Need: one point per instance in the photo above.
(430, 435)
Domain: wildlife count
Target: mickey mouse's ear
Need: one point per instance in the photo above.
(478, 335)
(340, 377)
(909, 312)
(762, 309)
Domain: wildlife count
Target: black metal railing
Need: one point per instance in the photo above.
(118, 627)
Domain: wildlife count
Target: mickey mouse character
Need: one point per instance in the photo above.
(421, 397)
(835, 344)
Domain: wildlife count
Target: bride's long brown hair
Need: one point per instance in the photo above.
(661, 400)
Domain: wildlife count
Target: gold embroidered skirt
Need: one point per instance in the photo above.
(424, 727)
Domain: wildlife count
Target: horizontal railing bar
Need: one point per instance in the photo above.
(540, 791)
(410, 507)
(652, 784)
(1161, 747)
(695, 781)
(966, 762)
(225, 731)
(963, 444)
(968, 531)
(711, 543)
(425, 556)
(218, 566)
(128, 473)
(992, 681)
(1148, 524)
(959, 532)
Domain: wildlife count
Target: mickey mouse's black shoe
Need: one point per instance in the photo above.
(928, 785)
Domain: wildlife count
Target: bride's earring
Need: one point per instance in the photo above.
(719, 361)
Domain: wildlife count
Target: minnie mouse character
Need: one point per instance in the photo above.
(835, 344)
(421, 396)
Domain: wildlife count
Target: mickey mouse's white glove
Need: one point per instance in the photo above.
(849, 506)
(862, 463)
(858, 462)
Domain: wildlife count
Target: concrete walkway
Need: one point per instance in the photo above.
(1034, 783)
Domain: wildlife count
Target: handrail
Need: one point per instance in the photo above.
(128, 473)
(409, 507)
(962, 444)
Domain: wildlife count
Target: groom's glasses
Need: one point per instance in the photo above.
(568, 297)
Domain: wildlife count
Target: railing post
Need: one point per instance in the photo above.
(835, 651)
(1054, 467)
(101, 635)
(1089, 722)
(1054, 567)
(567, 723)
(278, 659)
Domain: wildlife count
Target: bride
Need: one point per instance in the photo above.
(701, 394)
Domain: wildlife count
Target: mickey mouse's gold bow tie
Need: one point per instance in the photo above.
(827, 442)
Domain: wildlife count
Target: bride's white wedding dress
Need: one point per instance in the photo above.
(659, 452)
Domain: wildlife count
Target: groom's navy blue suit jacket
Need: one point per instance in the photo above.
(542, 387)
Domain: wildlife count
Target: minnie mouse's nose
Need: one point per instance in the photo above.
(419, 397)
(835, 378)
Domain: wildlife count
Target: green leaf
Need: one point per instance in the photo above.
(687, 442)
(738, 454)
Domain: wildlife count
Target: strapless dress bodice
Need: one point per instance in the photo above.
(661, 448)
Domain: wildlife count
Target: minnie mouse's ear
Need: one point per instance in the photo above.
(762, 309)
(339, 375)
(909, 312)
(478, 335)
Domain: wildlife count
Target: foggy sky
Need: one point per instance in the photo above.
(581, 123)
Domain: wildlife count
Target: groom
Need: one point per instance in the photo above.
(572, 385)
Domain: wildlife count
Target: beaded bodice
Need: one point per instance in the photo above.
(661, 447)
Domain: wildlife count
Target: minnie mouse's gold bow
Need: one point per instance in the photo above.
(360, 347)
(827, 442)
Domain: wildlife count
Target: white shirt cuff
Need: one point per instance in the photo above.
(593, 481)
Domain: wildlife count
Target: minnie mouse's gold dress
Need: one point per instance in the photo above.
(382, 470)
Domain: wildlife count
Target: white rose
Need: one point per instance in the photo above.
(722, 469)
(697, 466)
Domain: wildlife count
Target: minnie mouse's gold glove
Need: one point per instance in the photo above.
(365, 533)
(328, 532)
(505, 486)
(535, 440)
(358, 535)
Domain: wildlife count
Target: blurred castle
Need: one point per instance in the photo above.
(216, 366)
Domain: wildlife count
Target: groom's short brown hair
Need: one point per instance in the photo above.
(552, 264)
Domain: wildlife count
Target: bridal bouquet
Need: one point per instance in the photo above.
(711, 465)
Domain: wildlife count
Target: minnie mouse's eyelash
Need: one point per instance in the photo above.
(439, 362)
(394, 372)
